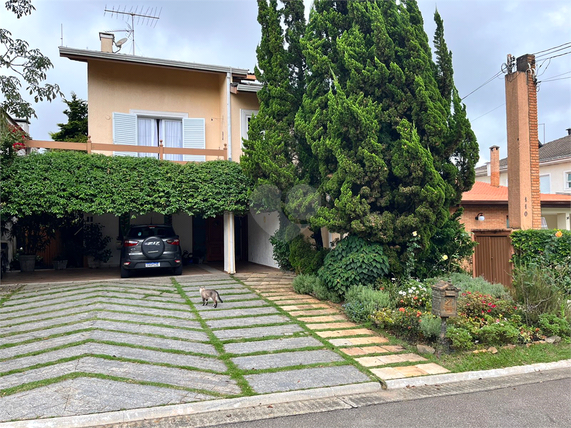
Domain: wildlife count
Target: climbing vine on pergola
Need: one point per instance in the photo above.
(63, 183)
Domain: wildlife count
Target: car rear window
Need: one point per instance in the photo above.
(145, 232)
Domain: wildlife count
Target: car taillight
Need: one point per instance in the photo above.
(173, 241)
(129, 243)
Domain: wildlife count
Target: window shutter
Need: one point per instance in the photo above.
(193, 137)
(125, 131)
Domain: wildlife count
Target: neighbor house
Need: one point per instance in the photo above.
(144, 102)
(554, 167)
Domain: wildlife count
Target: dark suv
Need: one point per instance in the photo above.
(150, 246)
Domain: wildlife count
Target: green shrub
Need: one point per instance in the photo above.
(281, 245)
(304, 257)
(448, 248)
(320, 291)
(466, 282)
(553, 325)
(304, 284)
(362, 302)
(460, 338)
(430, 326)
(543, 247)
(403, 322)
(353, 261)
(498, 333)
(536, 289)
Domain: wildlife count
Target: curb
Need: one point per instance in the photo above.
(473, 375)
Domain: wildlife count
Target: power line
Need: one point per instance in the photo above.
(553, 80)
(494, 109)
(554, 47)
(483, 84)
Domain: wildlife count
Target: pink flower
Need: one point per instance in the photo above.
(401, 309)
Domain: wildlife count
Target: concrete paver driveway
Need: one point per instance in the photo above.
(78, 348)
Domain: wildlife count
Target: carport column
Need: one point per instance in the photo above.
(229, 251)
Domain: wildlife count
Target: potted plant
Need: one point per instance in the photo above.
(33, 234)
(60, 262)
(95, 245)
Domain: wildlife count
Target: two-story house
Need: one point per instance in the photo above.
(141, 101)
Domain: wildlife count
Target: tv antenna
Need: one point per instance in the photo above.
(149, 17)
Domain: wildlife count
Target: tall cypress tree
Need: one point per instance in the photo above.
(379, 123)
(273, 153)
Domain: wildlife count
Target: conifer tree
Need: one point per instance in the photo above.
(75, 130)
(391, 140)
(274, 154)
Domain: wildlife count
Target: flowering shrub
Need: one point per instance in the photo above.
(403, 322)
(414, 294)
(478, 305)
(12, 139)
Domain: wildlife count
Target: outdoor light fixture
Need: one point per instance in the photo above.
(480, 217)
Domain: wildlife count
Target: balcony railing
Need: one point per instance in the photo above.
(89, 147)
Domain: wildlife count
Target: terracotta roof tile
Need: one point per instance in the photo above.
(485, 192)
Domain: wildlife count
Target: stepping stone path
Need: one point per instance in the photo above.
(97, 346)
(327, 321)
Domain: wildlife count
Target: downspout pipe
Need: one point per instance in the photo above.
(229, 113)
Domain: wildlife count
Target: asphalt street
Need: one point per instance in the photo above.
(538, 404)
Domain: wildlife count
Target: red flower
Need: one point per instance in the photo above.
(401, 309)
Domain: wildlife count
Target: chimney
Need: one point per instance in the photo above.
(107, 40)
(524, 205)
(495, 166)
(568, 131)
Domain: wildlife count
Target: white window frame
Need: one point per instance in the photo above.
(567, 180)
(162, 115)
(244, 116)
(544, 175)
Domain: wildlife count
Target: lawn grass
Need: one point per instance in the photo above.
(505, 357)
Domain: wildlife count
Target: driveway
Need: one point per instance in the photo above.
(83, 347)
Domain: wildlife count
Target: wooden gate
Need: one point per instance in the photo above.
(492, 256)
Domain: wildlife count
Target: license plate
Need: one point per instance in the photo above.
(154, 264)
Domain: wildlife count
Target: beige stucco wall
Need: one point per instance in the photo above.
(122, 88)
(240, 101)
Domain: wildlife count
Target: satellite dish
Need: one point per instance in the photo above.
(120, 43)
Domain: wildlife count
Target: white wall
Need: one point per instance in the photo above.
(110, 225)
(260, 228)
(182, 224)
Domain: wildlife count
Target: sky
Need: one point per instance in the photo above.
(480, 34)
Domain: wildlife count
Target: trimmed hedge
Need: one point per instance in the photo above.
(66, 182)
(543, 247)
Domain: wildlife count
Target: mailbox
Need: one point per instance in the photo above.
(444, 298)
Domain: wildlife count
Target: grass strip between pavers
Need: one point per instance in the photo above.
(233, 370)
(9, 295)
(94, 303)
(81, 290)
(68, 333)
(99, 319)
(347, 359)
(111, 343)
(107, 357)
(109, 299)
(98, 310)
(45, 382)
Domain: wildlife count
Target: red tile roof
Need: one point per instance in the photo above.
(484, 192)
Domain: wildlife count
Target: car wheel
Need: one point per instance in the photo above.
(177, 270)
(153, 247)
(125, 273)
